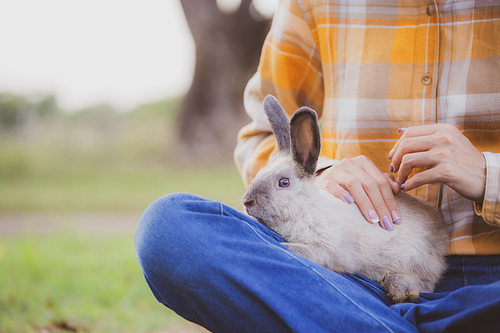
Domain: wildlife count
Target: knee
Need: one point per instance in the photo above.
(160, 221)
(167, 237)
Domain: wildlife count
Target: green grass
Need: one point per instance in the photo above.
(131, 190)
(93, 161)
(55, 178)
(91, 283)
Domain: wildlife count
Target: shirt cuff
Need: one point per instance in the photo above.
(490, 208)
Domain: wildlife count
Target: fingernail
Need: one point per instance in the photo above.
(391, 168)
(348, 198)
(401, 130)
(390, 154)
(373, 216)
(402, 187)
(387, 223)
(395, 217)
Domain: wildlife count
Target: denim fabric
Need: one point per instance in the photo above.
(221, 269)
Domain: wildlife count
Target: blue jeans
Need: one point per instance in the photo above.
(219, 268)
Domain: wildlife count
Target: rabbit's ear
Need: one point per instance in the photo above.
(306, 140)
(279, 123)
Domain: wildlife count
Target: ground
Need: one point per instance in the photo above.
(14, 226)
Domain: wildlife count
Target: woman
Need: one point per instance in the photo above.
(401, 87)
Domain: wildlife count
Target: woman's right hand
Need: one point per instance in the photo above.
(358, 180)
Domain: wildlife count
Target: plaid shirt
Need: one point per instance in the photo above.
(369, 68)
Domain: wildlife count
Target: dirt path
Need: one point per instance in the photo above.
(12, 224)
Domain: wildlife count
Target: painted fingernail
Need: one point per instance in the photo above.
(401, 186)
(391, 153)
(387, 223)
(348, 198)
(373, 216)
(401, 130)
(391, 168)
(395, 217)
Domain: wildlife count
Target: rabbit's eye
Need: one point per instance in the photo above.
(284, 182)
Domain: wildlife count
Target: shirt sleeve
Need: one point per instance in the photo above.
(289, 69)
(490, 208)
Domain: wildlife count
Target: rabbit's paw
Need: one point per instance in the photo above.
(401, 287)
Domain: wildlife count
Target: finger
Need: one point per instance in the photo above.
(339, 192)
(457, 176)
(392, 181)
(330, 185)
(421, 178)
(378, 189)
(396, 189)
(414, 131)
(382, 196)
(358, 195)
(414, 160)
(409, 146)
(421, 130)
(401, 131)
(368, 196)
(354, 185)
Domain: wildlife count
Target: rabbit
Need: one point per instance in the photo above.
(322, 228)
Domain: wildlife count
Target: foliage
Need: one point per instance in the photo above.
(15, 110)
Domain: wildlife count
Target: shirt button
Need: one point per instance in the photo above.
(426, 79)
(430, 10)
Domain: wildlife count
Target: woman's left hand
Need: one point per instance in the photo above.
(452, 159)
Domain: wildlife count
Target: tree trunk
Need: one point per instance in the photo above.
(227, 52)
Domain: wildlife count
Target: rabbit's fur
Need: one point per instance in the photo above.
(405, 261)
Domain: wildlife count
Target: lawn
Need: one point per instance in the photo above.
(71, 280)
(88, 282)
(118, 190)
(84, 283)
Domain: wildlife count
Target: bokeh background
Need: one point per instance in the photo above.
(104, 107)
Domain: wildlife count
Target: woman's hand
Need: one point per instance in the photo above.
(359, 180)
(452, 159)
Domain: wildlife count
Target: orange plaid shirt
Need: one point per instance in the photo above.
(369, 68)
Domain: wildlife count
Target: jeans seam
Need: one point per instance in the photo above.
(328, 282)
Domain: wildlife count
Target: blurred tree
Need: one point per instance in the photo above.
(9, 106)
(228, 47)
(16, 110)
(47, 106)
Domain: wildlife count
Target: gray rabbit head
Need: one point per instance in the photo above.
(283, 187)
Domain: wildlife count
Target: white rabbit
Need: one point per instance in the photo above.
(318, 226)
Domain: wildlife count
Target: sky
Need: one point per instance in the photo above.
(86, 52)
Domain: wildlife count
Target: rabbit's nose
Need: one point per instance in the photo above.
(249, 203)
